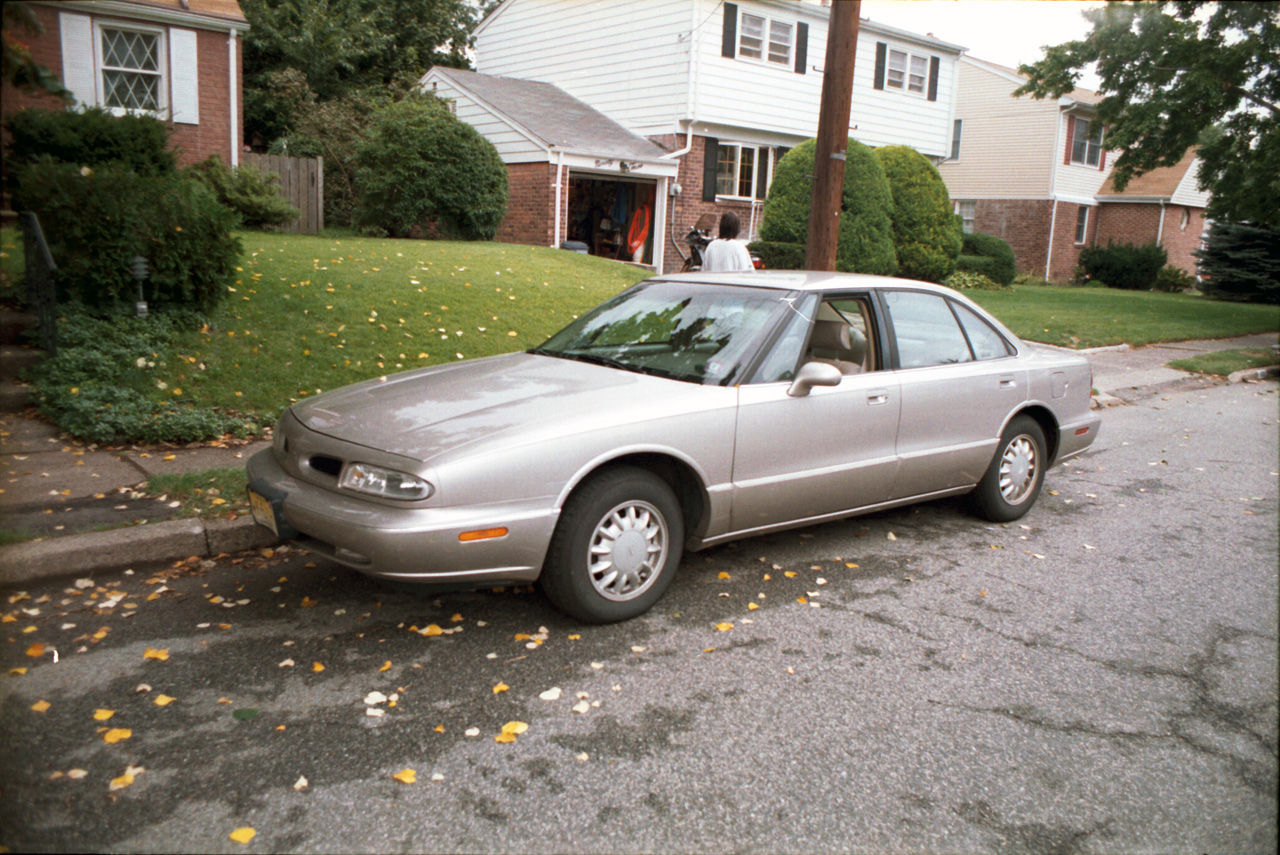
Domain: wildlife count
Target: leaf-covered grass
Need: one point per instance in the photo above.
(11, 262)
(309, 314)
(212, 492)
(1093, 317)
(1224, 362)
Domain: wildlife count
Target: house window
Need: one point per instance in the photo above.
(736, 170)
(1082, 223)
(956, 128)
(765, 39)
(1086, 142)
(907, 71)
(130, 69)
(967, 209)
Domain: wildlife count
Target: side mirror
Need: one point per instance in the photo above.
(814, 374)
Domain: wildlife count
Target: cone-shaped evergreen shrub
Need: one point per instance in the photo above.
(926, 235)
(865, 243)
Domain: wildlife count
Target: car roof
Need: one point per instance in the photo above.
(805, 280)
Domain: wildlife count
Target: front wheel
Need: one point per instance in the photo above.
(1012, 481)
(616, 547)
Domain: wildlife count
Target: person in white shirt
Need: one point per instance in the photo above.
(727, 255)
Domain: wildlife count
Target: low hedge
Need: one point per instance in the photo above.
(778, 255)
(1003, 265)
(1134, 268)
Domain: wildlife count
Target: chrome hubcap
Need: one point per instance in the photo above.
(628, 549)
(1018, 469)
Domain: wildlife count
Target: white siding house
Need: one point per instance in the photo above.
(726, 88)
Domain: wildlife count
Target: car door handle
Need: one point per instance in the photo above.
(1007, 382)
(878, 396)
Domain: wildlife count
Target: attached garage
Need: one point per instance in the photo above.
(578, 178)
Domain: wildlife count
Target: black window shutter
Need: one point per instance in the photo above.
(882, 59)
(802, 48)
(709, 160)
(934, 64)
(762, 171)
(729, 46)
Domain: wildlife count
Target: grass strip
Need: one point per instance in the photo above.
(1223, 363)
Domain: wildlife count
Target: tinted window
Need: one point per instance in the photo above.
(926, 331)
(986, 342)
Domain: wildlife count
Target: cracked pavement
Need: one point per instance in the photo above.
(1100, 676)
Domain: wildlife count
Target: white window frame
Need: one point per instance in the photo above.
(968, 211)
(161, 73)
(904, 64)
(1091, 148)
(957, 139)
(770, 34)
(737, 171)
(1082, 225)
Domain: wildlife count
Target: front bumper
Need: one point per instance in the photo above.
(410, 544)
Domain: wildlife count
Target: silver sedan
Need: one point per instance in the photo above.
(688, 411)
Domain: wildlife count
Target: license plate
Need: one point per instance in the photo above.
(263, 513)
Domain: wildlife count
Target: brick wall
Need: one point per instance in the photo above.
(684, 210)
(1022, 223)
(1137, 223)
(211, 136)
(531, 204)
(1066, 252)
(1181, 238)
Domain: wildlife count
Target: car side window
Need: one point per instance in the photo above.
(985, 341)
(843, 336)
(926, 331)
(783, 358)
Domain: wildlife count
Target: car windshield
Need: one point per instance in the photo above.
(686, 331)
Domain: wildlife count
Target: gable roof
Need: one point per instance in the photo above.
(1160, 183)
(206, 14)
(552, 116)
(1079, 94)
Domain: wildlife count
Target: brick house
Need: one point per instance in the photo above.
(721, 89)
(1037, 174)
(179, 60)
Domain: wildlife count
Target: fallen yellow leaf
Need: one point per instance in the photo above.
(432, 629)
(723, 575)
(724, 627)
(501, 687)
(156, 654)
(41, 706)
(317, 667)
(36, 650)
(406, 776)
(505, 737)
(116, 734)
(120, 783)
(164, 700)
(386, 666)
(17, 672)
(515, 727)
(103, 715)
(243, 835)
(751, 607)
(439, 728)
(790, 574)
(307, 602)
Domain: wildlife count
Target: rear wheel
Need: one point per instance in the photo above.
(616, 547)
(1012, 481)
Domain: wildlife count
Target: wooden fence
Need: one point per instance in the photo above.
(301, 182)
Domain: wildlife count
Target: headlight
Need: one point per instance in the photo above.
(376, 481)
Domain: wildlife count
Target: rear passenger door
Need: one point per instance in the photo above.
(958, 384)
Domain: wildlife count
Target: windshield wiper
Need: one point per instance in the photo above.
(607, 361)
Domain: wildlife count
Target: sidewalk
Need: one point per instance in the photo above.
(64, 490)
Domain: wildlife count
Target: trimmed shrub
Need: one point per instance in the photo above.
(93, 138)
(1241, 262)
(1122, 265)
(963, 280)
(865, 242)
(96, 221)
(1004, 266)
(779, 256)
(982, 265)
(422, 165)
(101, 385)
(1174, 279)
(245, 190)
(926, 235)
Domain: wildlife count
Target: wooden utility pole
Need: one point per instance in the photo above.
(833, 132)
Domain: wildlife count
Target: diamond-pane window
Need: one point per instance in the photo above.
(130, 69)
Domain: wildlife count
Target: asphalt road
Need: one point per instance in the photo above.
(1100, 677)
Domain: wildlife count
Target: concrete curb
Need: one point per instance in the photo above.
(102, 551)
(1254, 374)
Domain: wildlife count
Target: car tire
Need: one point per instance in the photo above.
(1012, 481)
(616, 546)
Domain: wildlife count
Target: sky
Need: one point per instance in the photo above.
(1008, 32)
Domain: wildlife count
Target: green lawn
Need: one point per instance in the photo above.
(1224, 362)
(316, 313)
(1092, 317)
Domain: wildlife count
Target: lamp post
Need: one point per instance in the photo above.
(138, 265)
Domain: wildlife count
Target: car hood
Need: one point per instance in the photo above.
(421, 414)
